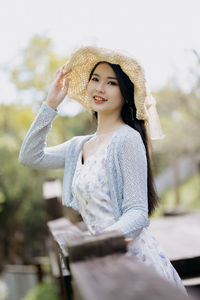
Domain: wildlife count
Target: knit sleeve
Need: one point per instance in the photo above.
(133, 164)
(33, 152)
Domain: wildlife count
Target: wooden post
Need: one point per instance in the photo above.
(60, 230)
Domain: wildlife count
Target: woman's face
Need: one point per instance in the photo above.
(104, 84)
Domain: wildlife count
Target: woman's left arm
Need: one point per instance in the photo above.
(133, 164)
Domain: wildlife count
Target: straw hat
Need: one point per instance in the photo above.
(85, 58)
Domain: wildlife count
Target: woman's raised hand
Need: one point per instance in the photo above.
(59, 87)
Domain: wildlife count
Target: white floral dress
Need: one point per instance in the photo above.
(90, 188)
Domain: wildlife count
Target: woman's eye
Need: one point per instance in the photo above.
(112, 82)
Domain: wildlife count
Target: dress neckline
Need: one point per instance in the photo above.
(103, 146)
(91, 156)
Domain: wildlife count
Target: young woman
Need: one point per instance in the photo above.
(108, 176)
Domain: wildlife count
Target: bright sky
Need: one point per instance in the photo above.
(159, 33)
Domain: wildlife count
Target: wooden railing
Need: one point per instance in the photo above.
(94, 267)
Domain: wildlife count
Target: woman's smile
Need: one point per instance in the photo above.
(99, 100)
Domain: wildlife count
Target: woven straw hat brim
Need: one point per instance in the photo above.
(84, 59)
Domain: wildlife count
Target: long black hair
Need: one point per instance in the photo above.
(127, 90)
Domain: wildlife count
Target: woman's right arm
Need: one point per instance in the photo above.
(33, 152)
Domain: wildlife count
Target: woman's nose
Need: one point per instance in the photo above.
(100, 87)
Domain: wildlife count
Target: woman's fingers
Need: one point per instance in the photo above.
(66, 72)
(62, 77)
(58, 71)
(59, 87)
(61, 73)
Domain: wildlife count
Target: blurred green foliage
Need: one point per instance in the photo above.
(189, 194)
(20, 187)
(45, 291)
(37, 67)
(180, 118)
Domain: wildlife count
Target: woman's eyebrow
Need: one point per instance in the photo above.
(109, 77)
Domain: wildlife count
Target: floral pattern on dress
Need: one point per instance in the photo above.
(90, 187)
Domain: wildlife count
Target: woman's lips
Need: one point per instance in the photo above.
(99, 101)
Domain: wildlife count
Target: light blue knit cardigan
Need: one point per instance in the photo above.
(126, 168)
